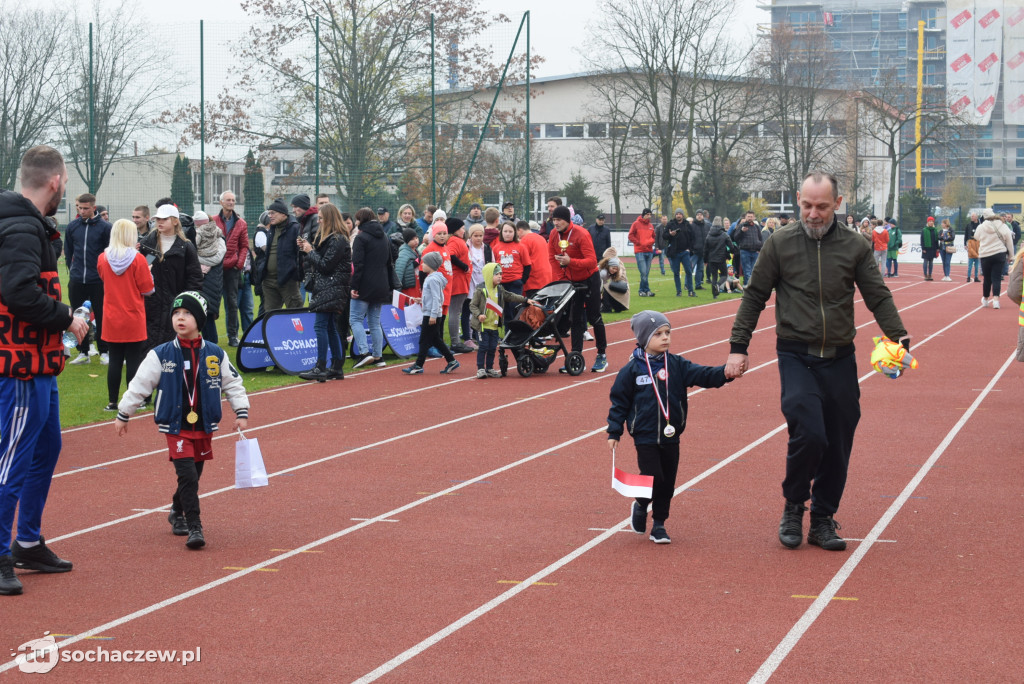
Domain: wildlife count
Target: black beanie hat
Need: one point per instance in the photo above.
(278, 206)
(301, 201)
(561, 212)
(408, 235)
(454, 224)
(193, 302)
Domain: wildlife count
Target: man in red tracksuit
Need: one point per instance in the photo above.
(641, 234)
(571, 255)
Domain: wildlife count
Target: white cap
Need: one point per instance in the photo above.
(167, 211)
(200, 218)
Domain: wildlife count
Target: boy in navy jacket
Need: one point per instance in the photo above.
(649, 396)
(188, 374)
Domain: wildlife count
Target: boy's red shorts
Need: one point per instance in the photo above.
(190, 444)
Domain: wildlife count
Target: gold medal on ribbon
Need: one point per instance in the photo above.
(192, 417)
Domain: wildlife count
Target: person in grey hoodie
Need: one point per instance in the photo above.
(432, 302)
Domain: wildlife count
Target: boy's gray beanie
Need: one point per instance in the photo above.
(644, 324)
(433, 260)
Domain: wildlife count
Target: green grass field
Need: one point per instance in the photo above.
(83, 388)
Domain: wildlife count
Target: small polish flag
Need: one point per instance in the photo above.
(493, 306)
(632, 486)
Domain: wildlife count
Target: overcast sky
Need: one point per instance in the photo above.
(558, 29)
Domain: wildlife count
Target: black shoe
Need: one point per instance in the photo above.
(699, 287)
(112, 406)
(791, 529)
(317, 373)
(638, 521)
(659, 535)
(232, 342)
(38, 557)
(976, 280)
(691, 293)
(178, 525)
(195, 540)
(336, 372)
(10, 585)
(823, 533)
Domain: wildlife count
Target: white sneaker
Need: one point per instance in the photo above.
(984, 302)
(79, 360)
(947, 279)
(995, 303)
(481, 373)
(588, 337)
(104, 359)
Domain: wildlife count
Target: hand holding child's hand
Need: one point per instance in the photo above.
(241, 423)
(735, 366)
(121, 427)
(612, 443)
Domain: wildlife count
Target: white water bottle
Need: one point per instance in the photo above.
(85, 313)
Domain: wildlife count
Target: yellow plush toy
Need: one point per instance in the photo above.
(891, 358)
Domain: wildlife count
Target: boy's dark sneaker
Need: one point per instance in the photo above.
(451, 367)
(659, 535)
(791, 528)
(493, 373)
(638, 519)
(823, 533)
(38, 557)
(10, 585)
(364, 360)
(178, 525)
(600, 364)
(195, 540)
(414, 369)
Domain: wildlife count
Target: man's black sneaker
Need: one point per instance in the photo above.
(638, 520)
(791, 529)
(38, 557)
(178, 525)
(10, 585)
(659, 535)
(195, 540)
(823, 533)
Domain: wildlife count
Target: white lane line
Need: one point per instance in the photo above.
(307, 547)
(771, 664)
(545, 572)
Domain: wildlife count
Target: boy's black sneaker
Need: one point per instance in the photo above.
(195, 540)
(791, 529)
(451, 367)
(638, 521)
(38, 557)
(178, 525)
(10, 585)
(823, 533)
(659, 535)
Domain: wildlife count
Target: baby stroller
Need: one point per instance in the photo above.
(533, 354)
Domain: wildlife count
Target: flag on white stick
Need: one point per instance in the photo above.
(632, 486)
(494, 306)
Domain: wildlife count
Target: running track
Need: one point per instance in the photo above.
(451, 529)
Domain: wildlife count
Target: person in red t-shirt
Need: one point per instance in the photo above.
(571, 255)
(462, 271)
(537, 248)
(514, 259)
(438, 243)
(126, 280)
(641, 234)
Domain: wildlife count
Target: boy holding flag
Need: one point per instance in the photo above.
(485, 312)
(649, 395)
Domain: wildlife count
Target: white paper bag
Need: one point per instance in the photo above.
(249, 468)
(413, 316)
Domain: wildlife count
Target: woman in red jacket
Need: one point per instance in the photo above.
(126, 280)
(641, 234)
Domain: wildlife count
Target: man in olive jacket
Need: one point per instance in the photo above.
(813, 265)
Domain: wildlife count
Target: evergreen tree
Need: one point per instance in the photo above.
(576, 193)
(252, 192)
(181, 185)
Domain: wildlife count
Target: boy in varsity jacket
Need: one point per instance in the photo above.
(188, 375)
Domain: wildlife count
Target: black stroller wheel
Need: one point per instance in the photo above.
(524, 364)
(575, 363)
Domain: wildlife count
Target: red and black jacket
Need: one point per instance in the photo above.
(32, 315)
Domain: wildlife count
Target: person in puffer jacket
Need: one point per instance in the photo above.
(649, 396)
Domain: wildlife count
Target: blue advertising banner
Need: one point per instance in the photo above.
(404, 340)
(252, 354)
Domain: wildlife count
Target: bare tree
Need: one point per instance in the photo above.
(796, 69)
(374, 82)
(504, 166)
(894, 114)
(32, 65)
(126, 76)
(662, 49)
